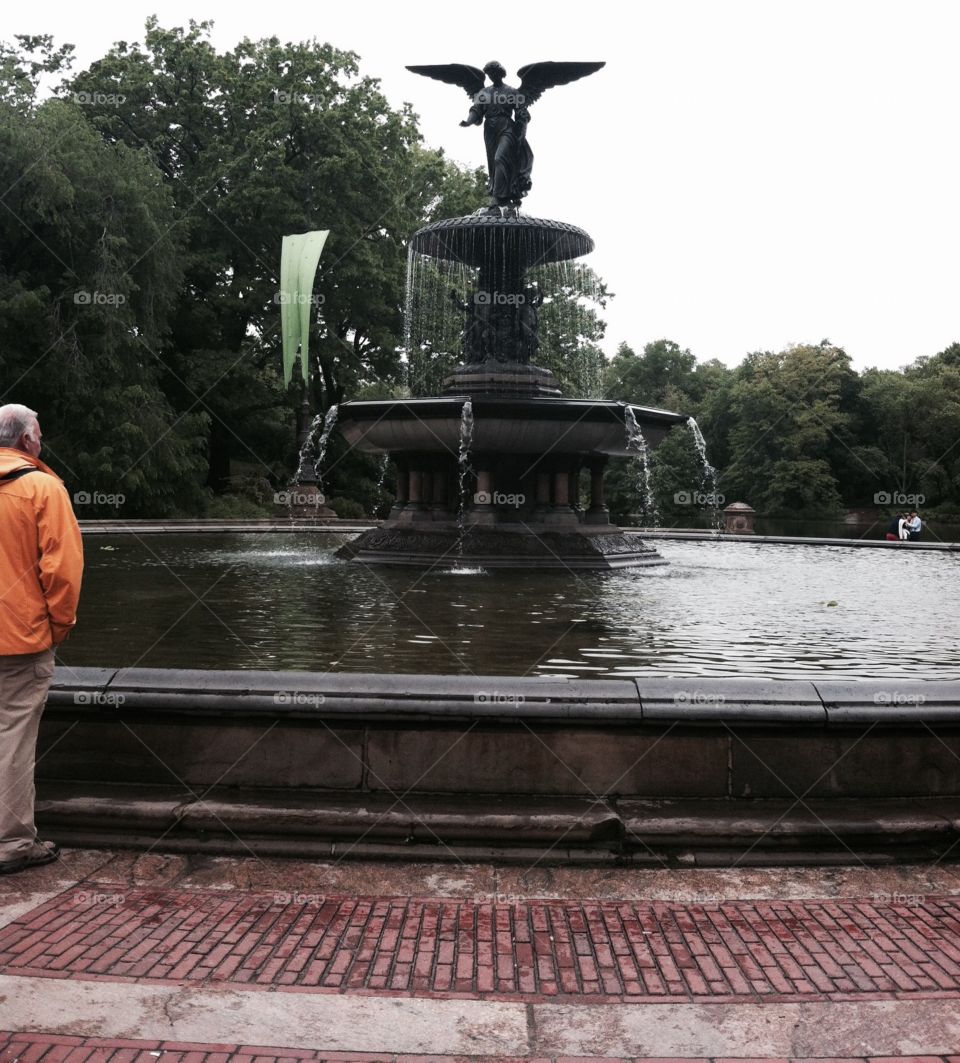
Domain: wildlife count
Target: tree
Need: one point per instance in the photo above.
(790, 422)
(668, 377)
(89, 274)
(260, 141)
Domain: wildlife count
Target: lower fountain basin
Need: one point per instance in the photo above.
(511, 426)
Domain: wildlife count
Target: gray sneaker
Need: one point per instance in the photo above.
(38, 853)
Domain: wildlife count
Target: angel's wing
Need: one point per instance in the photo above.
(467, 77)
(536, 78)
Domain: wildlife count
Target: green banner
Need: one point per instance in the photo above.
(299, 256)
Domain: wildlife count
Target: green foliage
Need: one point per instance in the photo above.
(796, 433)
(167, 174)
(229, 506)
(791, 427)
(348, 508)
(571, 327)
(89, 271)
(139, 253)
(260, 141)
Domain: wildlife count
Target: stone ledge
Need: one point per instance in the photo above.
(816, 703)
(907, 701)
(559, 830)
(695, 535)
(767, 701)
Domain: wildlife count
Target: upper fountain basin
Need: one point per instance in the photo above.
(477, 238)
(519, 426)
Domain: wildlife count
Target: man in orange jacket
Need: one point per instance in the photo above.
(41, 565)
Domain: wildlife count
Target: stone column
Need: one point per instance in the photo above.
(403, 489)
(415, 509)
(543, 496)
(439, 496)
(598, 512)
(560, 512)
(575, 489)
(483, 512)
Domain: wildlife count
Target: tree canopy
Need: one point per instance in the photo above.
(144, 202)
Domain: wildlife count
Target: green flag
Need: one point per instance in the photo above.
(299, 256)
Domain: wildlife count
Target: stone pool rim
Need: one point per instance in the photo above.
(329, 526)
(702, 772)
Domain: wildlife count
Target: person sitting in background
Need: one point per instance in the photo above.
(913, 525)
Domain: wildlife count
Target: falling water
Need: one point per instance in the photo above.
(570, 320)
(408, 311)
(637, 445)
(328, 422)
(464, 472)
(433, 323)
(307, 449)
(384, 465)
(321, 426)
(708, 476)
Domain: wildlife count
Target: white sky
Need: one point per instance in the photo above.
(765, 173)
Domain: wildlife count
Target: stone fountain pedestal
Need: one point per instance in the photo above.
(534, 482)
(500, 470)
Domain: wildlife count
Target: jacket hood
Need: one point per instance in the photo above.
(11, 459)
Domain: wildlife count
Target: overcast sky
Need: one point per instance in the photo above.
(754, 174)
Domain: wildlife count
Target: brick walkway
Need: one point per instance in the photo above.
(538, 950)
(49, 1048)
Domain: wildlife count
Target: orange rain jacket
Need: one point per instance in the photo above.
(41, 557)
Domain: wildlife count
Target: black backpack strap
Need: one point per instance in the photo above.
(17, 473)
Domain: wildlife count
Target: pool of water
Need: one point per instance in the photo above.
(724, 609)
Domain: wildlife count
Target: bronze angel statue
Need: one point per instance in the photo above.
(505, 113)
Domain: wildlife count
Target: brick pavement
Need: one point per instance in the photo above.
(534, 950)
(54, 1048)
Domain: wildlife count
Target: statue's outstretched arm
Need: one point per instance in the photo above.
(475, 116)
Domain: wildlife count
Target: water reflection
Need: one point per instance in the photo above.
(282, 601)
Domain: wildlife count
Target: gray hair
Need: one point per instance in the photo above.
(15, 421)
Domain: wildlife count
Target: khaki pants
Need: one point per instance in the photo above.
(24, 682)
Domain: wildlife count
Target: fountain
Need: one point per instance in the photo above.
(585, 721)
(530, 447)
